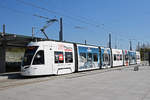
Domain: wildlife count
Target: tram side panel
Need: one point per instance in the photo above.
(88, 57)
(64, 58)
(132, 57)
(35, 60)
(105, 57)
(125, 57)
(138, 58)
(117, 57)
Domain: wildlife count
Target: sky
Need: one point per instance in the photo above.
(90, 20)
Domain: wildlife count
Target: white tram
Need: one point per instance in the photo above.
(117, 57)
(125, 57)
(138, 60)
(47, 58)
(55, 58)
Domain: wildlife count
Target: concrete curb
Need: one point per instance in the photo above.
(3, 77)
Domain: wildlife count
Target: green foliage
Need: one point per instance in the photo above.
(144, 53)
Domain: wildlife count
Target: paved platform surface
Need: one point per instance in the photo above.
(110, 84)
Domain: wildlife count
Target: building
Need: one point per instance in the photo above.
(12, 49)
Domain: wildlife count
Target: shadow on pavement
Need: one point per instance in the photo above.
(17, 75)
(14, 75)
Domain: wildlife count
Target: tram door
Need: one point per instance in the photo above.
(106, 60)
(69, 65)
(48, 56)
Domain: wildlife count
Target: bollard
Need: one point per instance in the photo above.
(136, 68)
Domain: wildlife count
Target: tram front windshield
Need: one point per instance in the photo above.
(29, 53)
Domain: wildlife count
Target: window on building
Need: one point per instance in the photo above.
(68, 57)
(59, 57)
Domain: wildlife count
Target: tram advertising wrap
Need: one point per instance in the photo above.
(105, 57)
(88, 58)
(132, 57)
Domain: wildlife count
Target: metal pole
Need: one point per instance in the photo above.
(138, 46)
(32, 32)
(85, 42)
(109, 40)
(3, 52)
(3, 30)
(130, 45)
(61, 31)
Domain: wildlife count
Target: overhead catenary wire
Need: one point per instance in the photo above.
(75, 26)
(79, 27)
(57, 13)
(81, 19)
(23, 12)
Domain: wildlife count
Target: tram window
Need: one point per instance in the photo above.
(28, 56)
(115, 58)
(89, 57)
(83, 57)
(68, 57)
(106, 57)
(120, 57)
(126, 57)
(39, 58)
(137, 57)
(132, 57)
(59, 57)
(103, 57)
(95, 57)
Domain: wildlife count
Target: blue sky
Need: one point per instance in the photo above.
(90, 20)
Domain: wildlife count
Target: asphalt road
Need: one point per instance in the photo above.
(111, 84)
